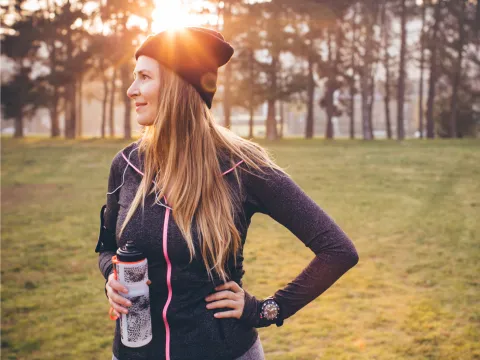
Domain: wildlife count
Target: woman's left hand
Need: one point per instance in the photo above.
(229, 295)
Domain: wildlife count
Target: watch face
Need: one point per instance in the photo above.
(270, 310)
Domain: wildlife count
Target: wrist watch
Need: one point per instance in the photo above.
(270, 312)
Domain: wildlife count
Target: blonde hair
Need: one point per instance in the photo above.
(181, 151)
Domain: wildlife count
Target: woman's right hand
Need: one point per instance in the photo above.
(117, 301)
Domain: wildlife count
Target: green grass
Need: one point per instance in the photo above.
(412, 209)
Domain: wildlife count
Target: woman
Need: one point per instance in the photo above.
(185, 194)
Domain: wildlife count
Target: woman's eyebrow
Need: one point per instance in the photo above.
(141, 72)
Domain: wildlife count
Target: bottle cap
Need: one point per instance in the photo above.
(129, 253)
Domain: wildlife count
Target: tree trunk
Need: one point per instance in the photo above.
(365, 83)
(104, 101)
(66, 111)
(79, 107)
(54, 122)
(352, 81)
(282, 118)
(71, 111)
(113, 90)
(422, 61)
(370, 106)
(366, 107)
(458, 72)
(271, 115)
(55, 126)
(18, 127)
(352, 109)
(386, 58)
(433, 74)
(401, 75)
(251, 98)
(250, 121)
(329, 113)
(388, 121)
(309, 121)
(127, 116)
(329, 89)
(70, 116)
(271, 121)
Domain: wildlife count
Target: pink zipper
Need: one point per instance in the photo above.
(167, 259)
(169, 284)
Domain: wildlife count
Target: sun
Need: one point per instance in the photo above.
(175, 14)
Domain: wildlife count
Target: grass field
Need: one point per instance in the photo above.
(412, 209)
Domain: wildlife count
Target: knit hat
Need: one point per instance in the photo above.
(193, 53)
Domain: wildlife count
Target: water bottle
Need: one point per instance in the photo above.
(131, 270)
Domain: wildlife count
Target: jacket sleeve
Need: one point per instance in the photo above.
(110, 221)
(278, 196)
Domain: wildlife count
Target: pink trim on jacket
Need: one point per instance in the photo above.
(169, 284)
(167, 259)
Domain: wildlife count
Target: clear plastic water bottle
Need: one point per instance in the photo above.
(131, 270)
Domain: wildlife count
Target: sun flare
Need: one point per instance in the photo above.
(174, 14)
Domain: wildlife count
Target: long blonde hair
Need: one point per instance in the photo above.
(181, 150)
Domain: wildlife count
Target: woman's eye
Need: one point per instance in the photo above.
(144, 76)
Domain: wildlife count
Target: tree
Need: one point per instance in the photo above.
(18, 94)
(52, 38)
(116, 14)
(422, 65)
(246, 88)
(433, 71)
(458, 70)
(387, 64)
(401, 73)
(369, 14)
(333, 82)
(19, 99)
(274, 39)
(324, 23)
(353, 67)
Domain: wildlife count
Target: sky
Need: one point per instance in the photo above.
(168, 14)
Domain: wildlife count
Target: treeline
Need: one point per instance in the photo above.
(286, 52)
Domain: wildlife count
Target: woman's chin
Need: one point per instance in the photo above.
(144, 122)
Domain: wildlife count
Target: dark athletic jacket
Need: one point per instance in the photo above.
(190, 331)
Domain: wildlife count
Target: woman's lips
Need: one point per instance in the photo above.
(139, 105)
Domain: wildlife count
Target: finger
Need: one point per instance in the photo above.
(117, 285)
(231, 285)
(110, 290)
(227, 314)
(223, 304)
(117, 307)
(227, 294)
(119, 299)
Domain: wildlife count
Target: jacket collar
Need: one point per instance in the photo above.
(138, 160)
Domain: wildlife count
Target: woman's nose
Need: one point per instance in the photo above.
(132, 91)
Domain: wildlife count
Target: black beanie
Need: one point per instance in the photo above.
(193, 53)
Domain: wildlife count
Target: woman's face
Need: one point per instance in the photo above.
(145, 89)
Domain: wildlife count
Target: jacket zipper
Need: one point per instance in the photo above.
(169, 283)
